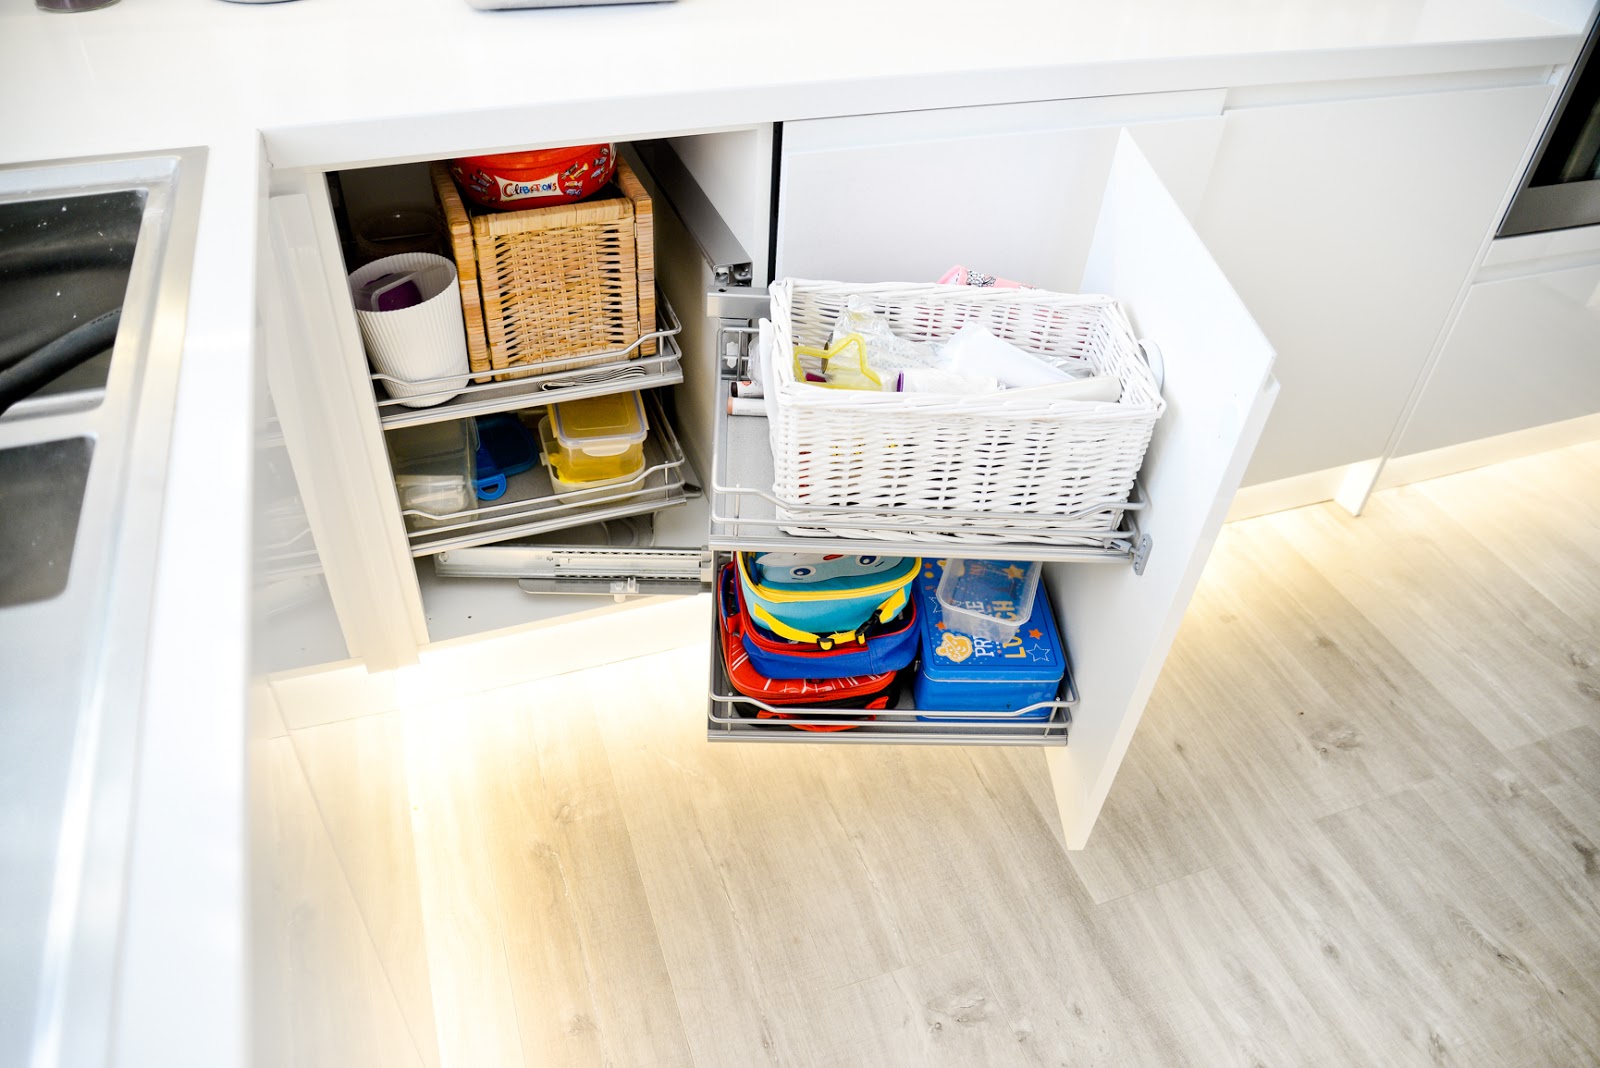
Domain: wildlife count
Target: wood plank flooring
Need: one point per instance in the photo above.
(1359, 825)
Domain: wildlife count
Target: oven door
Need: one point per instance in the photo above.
(1562, 186)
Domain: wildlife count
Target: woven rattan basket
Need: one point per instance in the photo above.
(988, 466)
(554, 283)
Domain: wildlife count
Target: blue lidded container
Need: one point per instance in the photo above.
(505, 448)
(962, 673)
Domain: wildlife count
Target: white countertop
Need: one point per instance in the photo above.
(328, 82)
(155, 73)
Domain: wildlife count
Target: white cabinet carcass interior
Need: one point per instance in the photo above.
(1119, 230)
(1007, 189)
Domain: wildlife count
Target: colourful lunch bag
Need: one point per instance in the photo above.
(881, 647)
(875, 691)
(824, 599)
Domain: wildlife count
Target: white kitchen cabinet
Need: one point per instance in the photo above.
(1349, 227)
(1524, 351)
(294, 618)
(1118, 607)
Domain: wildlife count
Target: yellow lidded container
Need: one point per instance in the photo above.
(598, 439)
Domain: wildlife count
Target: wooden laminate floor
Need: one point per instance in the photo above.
(1359, 825)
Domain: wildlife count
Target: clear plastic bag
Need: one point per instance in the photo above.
(886, 353)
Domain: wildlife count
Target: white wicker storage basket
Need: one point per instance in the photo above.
(990, 466)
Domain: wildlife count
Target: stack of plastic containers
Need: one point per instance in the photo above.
(595, 442)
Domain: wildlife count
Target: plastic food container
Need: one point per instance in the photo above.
(505, 448)
(394, 230)
(988, 598)
(598, 439)
(433, 470)
(963, 673)
(564, 488)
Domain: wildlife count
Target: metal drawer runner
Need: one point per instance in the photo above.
(614, 572)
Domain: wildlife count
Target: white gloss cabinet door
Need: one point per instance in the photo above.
(331, 434)
(1109, 223)
(1007, 189)
(1349, 228)
(1219, 388)
(1523, 353)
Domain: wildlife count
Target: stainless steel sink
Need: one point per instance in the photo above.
(42, 486)
(82, 473)
(63, 261)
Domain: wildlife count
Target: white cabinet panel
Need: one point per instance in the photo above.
(1119, 622)
(1348, 228)
(1219, 388)
(1524, 352)
(331, 434)
(1011, 189)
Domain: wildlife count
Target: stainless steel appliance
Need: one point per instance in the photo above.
(503, 5)
(1562, 187)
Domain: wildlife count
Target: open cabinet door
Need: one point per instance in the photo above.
(334, 444)
(1219, 389)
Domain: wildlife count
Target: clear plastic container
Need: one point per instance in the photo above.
(433, 470)
(564, 488)
(988, 598)
(598, 439)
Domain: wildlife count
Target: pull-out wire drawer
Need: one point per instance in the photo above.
(531, 504)
(734, 717)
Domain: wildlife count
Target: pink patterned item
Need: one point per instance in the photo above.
(965, 276)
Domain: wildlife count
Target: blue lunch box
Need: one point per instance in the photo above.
(961, 673)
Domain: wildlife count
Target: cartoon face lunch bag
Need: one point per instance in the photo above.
(882, 647)
(821, 598)
(874, 691)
